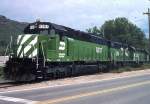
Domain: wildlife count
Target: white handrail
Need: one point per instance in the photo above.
(8, 46)
(6, 50)
(43, 53)
(37, 63)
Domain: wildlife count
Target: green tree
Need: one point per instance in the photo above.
(108, 29)
(95, 30)
(122, 30)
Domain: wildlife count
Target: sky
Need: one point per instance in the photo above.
(77, 14)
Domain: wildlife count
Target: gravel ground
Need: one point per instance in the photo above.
(76, 80)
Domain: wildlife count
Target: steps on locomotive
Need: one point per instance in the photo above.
(40, 70)
(39, 74)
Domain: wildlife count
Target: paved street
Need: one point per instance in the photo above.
(132, 90)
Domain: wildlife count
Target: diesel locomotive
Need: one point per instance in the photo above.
(47, 50)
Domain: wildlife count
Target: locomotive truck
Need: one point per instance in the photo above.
(47, 50)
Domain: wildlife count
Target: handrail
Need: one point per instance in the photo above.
(43, 54)
(37, 63)
(6, 50)
(9, 46)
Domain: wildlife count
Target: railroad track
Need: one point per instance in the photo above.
(8, 84)
(13, 84)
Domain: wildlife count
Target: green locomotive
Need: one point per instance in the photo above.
(47, 50)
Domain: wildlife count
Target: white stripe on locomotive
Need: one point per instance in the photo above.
(30, 45)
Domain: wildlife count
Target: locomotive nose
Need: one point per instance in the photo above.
(27, 45)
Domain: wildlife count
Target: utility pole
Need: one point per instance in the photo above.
(148, 14)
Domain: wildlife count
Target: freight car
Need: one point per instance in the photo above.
(47, 50)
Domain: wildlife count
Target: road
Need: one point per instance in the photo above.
(128, 90)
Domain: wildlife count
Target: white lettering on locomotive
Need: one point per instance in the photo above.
(117, 53)
(43, 26)
(98, 50)
(62, 55)
(32, 27)
(62, 45)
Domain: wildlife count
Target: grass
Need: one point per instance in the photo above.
(131, 68)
